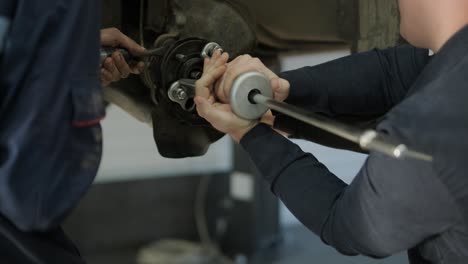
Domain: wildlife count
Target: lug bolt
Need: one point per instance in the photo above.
(180, 94)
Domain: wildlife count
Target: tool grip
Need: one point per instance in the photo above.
(107, 52)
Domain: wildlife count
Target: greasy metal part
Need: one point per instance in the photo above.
(181, 27)
(176, 139)
(228, 23)
(154, 52)
(209, 48)
(182, 92)
(164, 42)
(247, 91)
(182, 61)
(177, 129)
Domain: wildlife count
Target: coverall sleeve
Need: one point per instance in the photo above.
(384, 210)
(356, 89)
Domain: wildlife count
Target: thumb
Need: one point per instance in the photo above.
(203, 106)
(280, 88)
(216, 117)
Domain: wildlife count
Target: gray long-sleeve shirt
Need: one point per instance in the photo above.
(391, 205)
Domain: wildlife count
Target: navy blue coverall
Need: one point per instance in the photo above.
(50, 136)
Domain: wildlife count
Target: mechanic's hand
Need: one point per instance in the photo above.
(115, 67)
(246, 63)
(219, 114)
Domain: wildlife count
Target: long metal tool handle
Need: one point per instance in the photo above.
(108, 51)
(367, 139)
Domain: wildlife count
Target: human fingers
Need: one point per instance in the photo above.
(280, 88)
(204, 86)
(109, 65)
(106, 77)
(121, 65)
(137, 68)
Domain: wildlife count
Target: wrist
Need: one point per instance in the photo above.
(240, 133)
